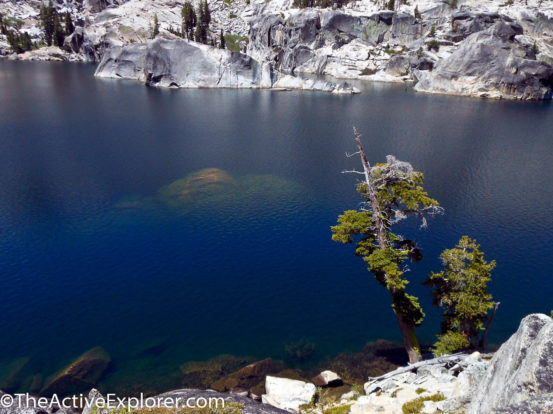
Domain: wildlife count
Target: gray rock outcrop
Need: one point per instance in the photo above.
(247, 405)
(520, 376)
(32, 407)
(287, 394)
(491, 63)
(454, 378)
(99, 5)
(497, 50)
(243, 404)
(327, 42)
(183, 64)
(327, 379)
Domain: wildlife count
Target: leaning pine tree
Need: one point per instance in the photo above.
(391, 191)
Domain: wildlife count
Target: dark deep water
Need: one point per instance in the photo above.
(89, 256)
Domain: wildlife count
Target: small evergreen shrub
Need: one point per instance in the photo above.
(415, 406)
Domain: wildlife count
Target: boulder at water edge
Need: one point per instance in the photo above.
(287, 394)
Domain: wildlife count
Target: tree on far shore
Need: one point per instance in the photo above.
(58, 35)
(155, 26)
(47, 21)
(391, 192)
(68, 23)
(222, 44)
(188, 20)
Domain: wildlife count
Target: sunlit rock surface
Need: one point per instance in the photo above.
(184, 64)
(447, 47)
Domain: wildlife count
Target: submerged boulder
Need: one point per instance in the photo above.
(14, 374)
(80, 375)
(204, 373)
(375, 359)
(250, 379)
(203, 182)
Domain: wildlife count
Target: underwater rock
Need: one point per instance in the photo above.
(203, 182)
(260, 368)
(375, 359)
(249, 377)
(213, 188)
(80, 375)
(36, 384)
(13, 374)
(202, 374)
(300, 351)
(152, 349)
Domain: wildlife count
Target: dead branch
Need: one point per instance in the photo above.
(411, 367)
(348, 155)
(353, 172)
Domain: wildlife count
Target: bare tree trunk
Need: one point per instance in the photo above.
(410, 340)
(482, 343)
(380, 231)
(407, 330)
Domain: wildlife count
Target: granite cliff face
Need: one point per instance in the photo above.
(183, 64)
(495, 49)
(487, 54)
(491, 63)
(520, 376)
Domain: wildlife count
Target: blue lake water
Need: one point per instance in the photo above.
(92, 254)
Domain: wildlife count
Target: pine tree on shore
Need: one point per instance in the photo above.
(188, 20)
(222, 44)
(47, 21)
(391, 191)
(202, 26)
(19, 42)
(155, 27)
(3, 28)
(461, 290)
(207, 15)
(198, 34)
(68, 23)
(58, 34)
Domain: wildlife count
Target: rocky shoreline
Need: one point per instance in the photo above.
(495, 49)
(518, 378)
(183, 64)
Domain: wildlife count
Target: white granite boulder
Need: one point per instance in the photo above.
(287, 394)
